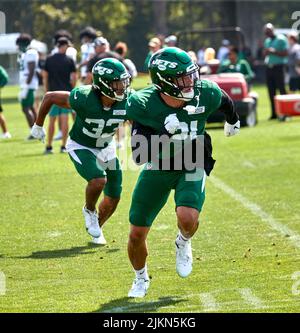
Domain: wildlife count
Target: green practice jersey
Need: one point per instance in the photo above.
(94, 127)
(147, 108)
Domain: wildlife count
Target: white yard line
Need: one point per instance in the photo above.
(258, 211)
(250, 298)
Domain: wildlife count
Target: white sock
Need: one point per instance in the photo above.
(142, 273)
(181, 240)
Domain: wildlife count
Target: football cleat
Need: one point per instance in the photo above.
(139, 288)
(91, 222)
(6, 135)
(184, 259)
(99, 240)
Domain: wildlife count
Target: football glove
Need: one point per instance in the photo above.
(171, 123)
(38, 132)
(230, 130)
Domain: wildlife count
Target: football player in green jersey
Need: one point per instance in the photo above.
(176, 105)
(100, 110)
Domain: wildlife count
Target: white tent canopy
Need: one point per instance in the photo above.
(8, 44)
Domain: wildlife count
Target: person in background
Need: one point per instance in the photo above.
(235, 65)
(294, 62)
(3, 81)
(154, 45)
(211, 63)
(87, 37)
(40, 91)
(28, 63)
(59, 74)
(71, 51)
(170, 41)
(102, 50)
(276, 57)
(121, 48)
(223, 50)
(200, 56)
(193, 56)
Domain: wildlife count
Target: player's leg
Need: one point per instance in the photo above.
(27, 104)
(149, 196)
(6, 134)
(87, 166)
(51, 129)
(112, 191)
(64, 126)
(189, 198)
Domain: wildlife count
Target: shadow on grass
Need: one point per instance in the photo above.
(9, 100)
(65, 253)
(61, 253)
(33, 155)
(126, 304)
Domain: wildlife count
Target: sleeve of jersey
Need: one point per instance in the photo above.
(32, 56)
(77, 100)
(215, 97)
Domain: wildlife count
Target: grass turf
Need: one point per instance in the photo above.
(245, 258)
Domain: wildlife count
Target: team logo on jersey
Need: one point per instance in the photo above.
(162, 65)
(191, 109)
(119, 112)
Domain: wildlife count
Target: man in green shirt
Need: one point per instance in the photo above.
(235, 65)
(175, 107)
(100, 110)
(276, 56)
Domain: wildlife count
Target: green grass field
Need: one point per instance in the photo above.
(246, 251)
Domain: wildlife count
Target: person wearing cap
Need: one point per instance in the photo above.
(170, 41)
(28, 63)
(223, 50)
(276, 57)
(102, 50)
(59, 74)
(235, 65)
(71, 51)
(154, 45)
(87, 37)
(294, 62)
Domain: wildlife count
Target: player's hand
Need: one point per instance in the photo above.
(171, 123)
(38, 132)
(230, 130)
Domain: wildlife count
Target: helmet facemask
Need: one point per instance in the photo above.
(111, 78)
(116, 90)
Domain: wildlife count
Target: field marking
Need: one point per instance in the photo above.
(250, 298)
(209, 302)
(257, 210)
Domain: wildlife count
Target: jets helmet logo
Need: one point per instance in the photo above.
(102, 70)
(164, 64)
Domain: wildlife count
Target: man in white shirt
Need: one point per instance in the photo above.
(87, 49)
(28, 62)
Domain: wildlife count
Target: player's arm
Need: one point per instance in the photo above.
(59, 98)
(73, 79)
(45, 79)
(31, 69)
(232, 123)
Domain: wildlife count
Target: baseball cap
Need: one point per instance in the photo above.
(171, 38)
(154, 41)
(100, 41)
(63, 41)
